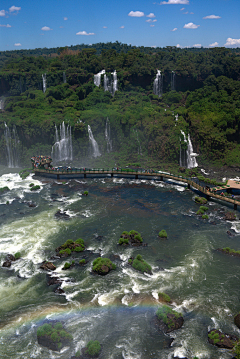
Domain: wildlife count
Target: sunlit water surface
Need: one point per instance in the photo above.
(118, 309)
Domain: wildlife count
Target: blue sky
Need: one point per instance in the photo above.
(32, 24)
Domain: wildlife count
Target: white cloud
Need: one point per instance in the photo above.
(214, 44)
(178, 45)
(136, 13)
(190, 25)
(2, 13)
(151, 15)
(212, 17)
(152, 25)
(17, 44)
(45, 28)
(14, 8)
(65, 18)
(104, 27)
(121, 27)
(197, 45)
(154, 20)
(174, 2)
(175, 29)
(85, 33)
(6, 25)
(232, 42)
(183, 8)
(149, 20)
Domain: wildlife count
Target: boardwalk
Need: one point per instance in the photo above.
(74, 173)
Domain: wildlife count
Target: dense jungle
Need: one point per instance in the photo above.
(205, 96)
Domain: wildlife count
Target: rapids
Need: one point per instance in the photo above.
(118, 309)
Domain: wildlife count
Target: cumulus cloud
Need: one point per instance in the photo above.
(18, 44)
(104, 27)
(212, 17)
(174, 2)
(14, 8)
(190, 25)
(214, 44)
(65, 18)
(121, 27)
(232, 42)
(175, 29)
(136, 13)
(85, 33)
(151, 15)
(197, 45)
(6, 25)
(2, 13)
(45, 28)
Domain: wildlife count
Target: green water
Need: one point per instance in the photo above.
(118, 309)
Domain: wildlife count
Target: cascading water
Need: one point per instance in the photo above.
(97, 78)
(173, 81)
(158, 84)
(62, 148)
(44, 77)
(64, 78)
(108, 136)
(111, 84)
(12, 144)
(95, 148)
(187, 157)
(1, 104)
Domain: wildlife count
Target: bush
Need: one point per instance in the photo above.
(17, 255)
(31, 185)
(3, 189)
(133, 232)
(35, 188)
(203, 208)
(130, 261)
(99, 262)
(162, 313)
(162, 234)
(67, 250)
(204, 216)
(164, 297)
(236, 350)
(123, 241)
(138, 237)
(200, 211)
(78, 354)
(58, 326)
(125, 233)
(67, 265)
(215, 337)
(82, 261)
(79, 249)
(85, 193)
(140, 264)
(93, 348)
(200, 200)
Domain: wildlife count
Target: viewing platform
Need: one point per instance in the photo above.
(68, 173)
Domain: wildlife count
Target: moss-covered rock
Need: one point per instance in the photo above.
(222, 340)
(53, 336)
(169, 319)
(70, 246)
(163, 297)
(103, 266)
(131, 238)
(4, 189)
(140, 264)
(230, 251)
(48, 266)
(162, 234)
(200, 200)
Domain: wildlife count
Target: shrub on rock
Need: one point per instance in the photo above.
(169, 319)
(35, 188)
(221, 340)
(162, 234)
(163, 297)
(93, 348)
(200, 200)
(103, 266)
(70, 246)
(53, 336)
(133, 237)
(140, 264)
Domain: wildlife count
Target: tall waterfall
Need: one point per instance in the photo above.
(111, 84)
(64, 78)
(12, 144)
(95, 148)
(187, 157)
(158, 84)
(44, 77)
(62, 148)
(97, 78)
(173, 81)
(108, 136)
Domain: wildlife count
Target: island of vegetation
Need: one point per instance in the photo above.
(222, 340)
(70, 246)
(200, 200)
(92, 350)
(130, 238)
(102, 266)
(163, 297)
(228, 250)
(169, 319)
(140, 264)
(11, 258)
(162, 234)
(53, 336)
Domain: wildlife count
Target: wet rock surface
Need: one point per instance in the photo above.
(222, 340)
(61, 215)
(48, 266)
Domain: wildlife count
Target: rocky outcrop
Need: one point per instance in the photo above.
(8, 260)
(61, 215)
(48, 266)
(237, 320)
(222, 340)
(230, 216)
(168, 319)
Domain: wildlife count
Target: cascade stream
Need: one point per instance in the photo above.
(12, 142)
(95, 148)
(62, 148)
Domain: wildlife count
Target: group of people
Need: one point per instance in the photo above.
(40, 161)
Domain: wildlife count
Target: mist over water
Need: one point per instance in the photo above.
(118, 309)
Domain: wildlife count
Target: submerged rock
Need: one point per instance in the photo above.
(9, 259)
(47, 266)
(230, 216)
(59, 290)
(53, 280)
(222, 340)
(61, 215)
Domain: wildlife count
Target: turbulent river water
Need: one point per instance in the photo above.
(118, 309)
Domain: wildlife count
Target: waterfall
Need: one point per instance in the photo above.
(111, 84)
(12, 144)
(189, 157)
(97, 78)
(44, 77)
(96, 152)
(172, 81)
(1, 104)
(62, 148)
(158, 84)
(108, 136)
(64, 78)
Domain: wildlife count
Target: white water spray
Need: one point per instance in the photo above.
(12, 144)
(158, 84)
(111, 84)
(97, 78)
(62, 148)
(44, 77)
(95, 148)
(108, 136)
(189, 157)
